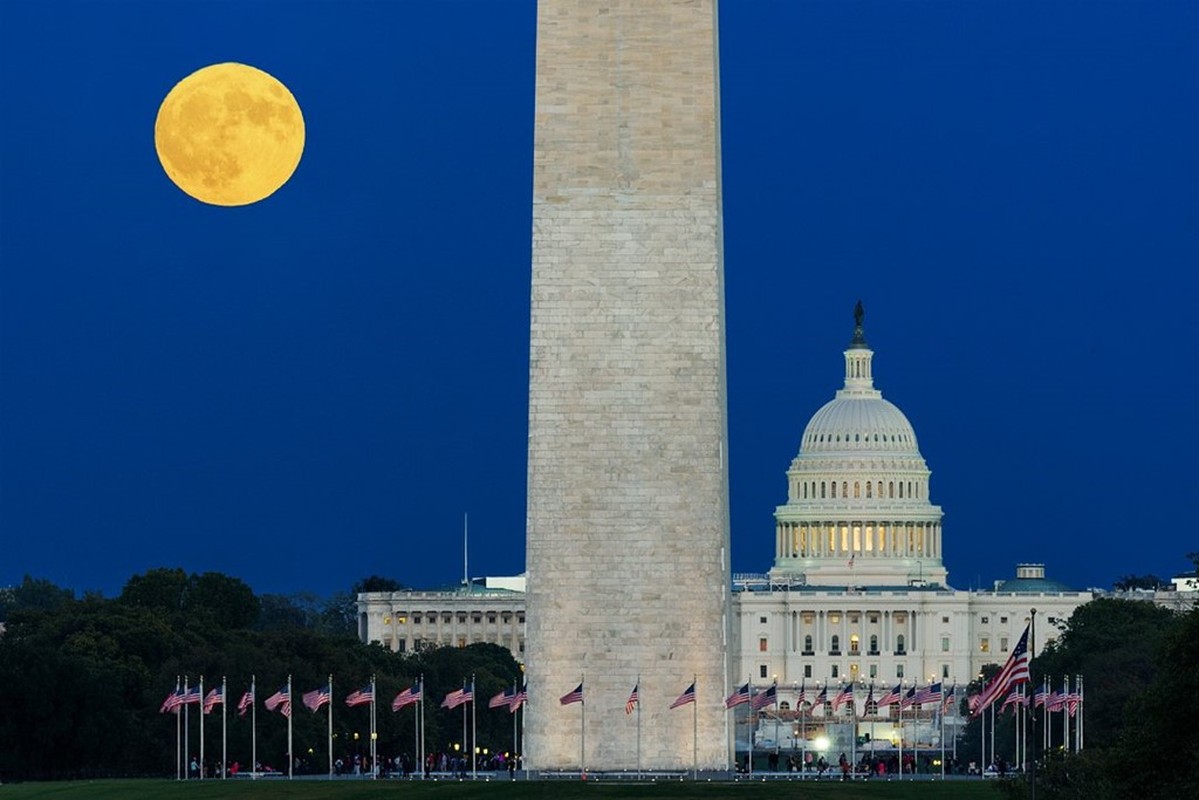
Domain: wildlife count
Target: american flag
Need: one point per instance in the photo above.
(362, 696)
(821, 699)
(948, 699)
(190, 696)
(908, 699)
(1013, 673)
(973, 702)
(844, 696)
(280, 698)
(688, 696)
(454, 699)
(572, 697)
(1014, 699)
(738, 697)
(891, 696)
(519, 699)
(1072, 702)
(316, 698)
(634, 698)
(246, 701)
(503, 699)
(802, 695)
(766, 698)
(929, 694)
(215, 697)
(1040, 697)
(407, 697)
(1055, 702)
(870, 697)
(172, 702)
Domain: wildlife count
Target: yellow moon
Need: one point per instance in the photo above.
(229, 134)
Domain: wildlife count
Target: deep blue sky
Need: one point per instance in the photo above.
(317, 387)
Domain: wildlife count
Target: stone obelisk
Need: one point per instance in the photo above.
(628, 572)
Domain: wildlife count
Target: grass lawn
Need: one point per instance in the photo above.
(520, 790)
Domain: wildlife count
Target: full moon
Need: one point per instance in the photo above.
(229, 134)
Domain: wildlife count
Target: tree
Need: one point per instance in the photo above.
(33, 594)
(377, 584)
(1128, 583)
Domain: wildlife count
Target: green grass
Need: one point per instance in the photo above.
(520, 790)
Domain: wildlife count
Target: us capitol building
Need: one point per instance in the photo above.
(858, 589)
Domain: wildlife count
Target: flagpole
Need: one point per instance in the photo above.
(853, 736)
(916, 735)
(187, 748)
(179, 768)
(941, 716)
(583, 732)
(421, 703)
(901, 698)
(291, 759)
(803, 724)
(374, 734)
(514, 711)
(1081, 726)
(474, 732)
(694, 730)
(637, 688)
(1066, 714)
(224, 728)
(253, 727)
(331, 726)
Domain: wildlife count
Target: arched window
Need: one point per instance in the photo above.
(899, 648)
(807, 644)
(853, 643)
(805, 490)
(857, 489)
(836, 644)
(873, 644)
(845, 488)
(834, 489)
(868, 487)
(901, 490)
(890, 488)
(822, 490)
(880, 490)
(784, 705)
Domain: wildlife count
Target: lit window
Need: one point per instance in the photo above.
(853, 643)
(984, 645)
(857, 490)
(834, 619)
(762, 645)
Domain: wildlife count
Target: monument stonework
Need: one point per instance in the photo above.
(628, 562)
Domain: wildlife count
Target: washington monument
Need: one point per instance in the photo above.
(628, 563)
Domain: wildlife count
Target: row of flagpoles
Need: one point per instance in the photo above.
(1008, 684)
(186, 695)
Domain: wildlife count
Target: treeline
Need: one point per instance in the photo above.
(82, 679)
(1140, 665)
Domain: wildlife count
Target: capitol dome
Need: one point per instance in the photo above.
(857, 511)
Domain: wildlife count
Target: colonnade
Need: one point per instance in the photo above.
(864, 539)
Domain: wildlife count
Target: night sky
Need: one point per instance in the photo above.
(317, 387)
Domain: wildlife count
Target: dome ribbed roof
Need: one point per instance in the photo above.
(857, 425)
